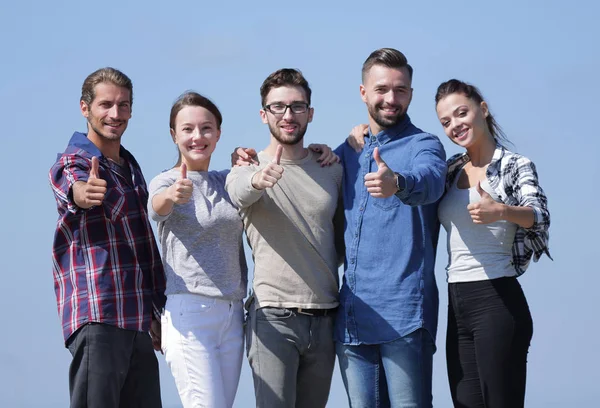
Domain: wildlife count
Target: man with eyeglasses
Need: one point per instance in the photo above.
(289, 205)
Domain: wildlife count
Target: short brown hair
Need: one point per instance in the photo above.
(284, 77)
(388, 57)
(108, 74)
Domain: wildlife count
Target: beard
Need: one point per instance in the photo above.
(95, 124)
(386, 122)
(288, 139)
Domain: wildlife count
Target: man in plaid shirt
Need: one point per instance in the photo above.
(108, 276)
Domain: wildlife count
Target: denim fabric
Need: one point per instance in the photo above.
(112, 368)
(203, 342)
(389, 287)
(395, 374)
(292, 357)
(489, 332)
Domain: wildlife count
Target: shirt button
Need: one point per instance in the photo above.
(352, 261)
(361, 209)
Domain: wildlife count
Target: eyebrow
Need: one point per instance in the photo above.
(192, 124)
(283, 103)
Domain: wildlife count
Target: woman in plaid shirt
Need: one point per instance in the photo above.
(496, 218)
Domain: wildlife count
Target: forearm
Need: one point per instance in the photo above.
(522, 216)
(162, 204)
(240, 189)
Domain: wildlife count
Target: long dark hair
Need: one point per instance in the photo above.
(470, 91)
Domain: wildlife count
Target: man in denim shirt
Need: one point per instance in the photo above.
(387, 320)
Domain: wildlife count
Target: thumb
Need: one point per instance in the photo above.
(481, 191)
(278, 152)
(95, 168)
(378, 159)
(183, 169)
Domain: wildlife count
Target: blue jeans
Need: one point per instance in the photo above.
(395, 374)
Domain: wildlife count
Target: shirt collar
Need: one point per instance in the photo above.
(81, 141)
(392, 133)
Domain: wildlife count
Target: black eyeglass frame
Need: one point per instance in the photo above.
(305, 106)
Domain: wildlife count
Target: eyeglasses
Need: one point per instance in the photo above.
(281, 108)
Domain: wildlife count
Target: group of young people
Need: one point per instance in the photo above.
(374, 204)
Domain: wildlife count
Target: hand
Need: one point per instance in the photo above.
(156, 335)
(381, 184)
(270, 175)
(327, 157)
(356, 140)
(181, 191)
(243, 156)
(90, 193)
(487, 210)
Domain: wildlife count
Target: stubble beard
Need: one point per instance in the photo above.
(288, 139)
(386, 122)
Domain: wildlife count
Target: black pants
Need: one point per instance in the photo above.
(489, 331)
(112, 368)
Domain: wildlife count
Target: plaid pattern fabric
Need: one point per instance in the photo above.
(106, 263)
(515, 181)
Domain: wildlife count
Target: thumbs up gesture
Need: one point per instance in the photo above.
(382, 183)
(487, 210)
(270, 174)
(87, 194)
(180, 192)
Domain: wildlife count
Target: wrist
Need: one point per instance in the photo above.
(400, 182)
(253, 181)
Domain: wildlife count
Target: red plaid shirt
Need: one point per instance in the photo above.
(106, 263)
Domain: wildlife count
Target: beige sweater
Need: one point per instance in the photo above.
(290, 229)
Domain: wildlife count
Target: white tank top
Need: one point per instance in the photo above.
(476, 252)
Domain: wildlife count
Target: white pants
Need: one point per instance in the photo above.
(203, 342)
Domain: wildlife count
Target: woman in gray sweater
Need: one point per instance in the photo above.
(200, 232)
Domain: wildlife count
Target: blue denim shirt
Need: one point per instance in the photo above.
(389, 287)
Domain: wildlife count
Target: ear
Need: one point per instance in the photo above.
(173, 136)
(485, 109)
(363, 93)
(409, 99)
(85, 109)
(311, 112)
(218, 134)
(263, 116)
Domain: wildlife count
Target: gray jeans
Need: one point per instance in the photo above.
(291, 355)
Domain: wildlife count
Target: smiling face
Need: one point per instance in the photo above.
(196, 135)
(288, 128)
(108, 113)
(387, 93)
(463, 120)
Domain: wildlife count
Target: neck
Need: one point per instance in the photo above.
(109, 148)
(374, 126)
(195, 166)
(481, 154)
(290, 152)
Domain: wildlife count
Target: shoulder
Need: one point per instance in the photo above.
(166, 176)
(514, 162)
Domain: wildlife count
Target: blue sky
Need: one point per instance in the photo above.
(536, 63)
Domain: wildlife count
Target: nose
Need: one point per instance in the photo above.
(114, 111)
(390, 97)
(287, 115)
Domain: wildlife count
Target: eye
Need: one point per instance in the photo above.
(445, 123)
(187, 129)
(206, 128)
